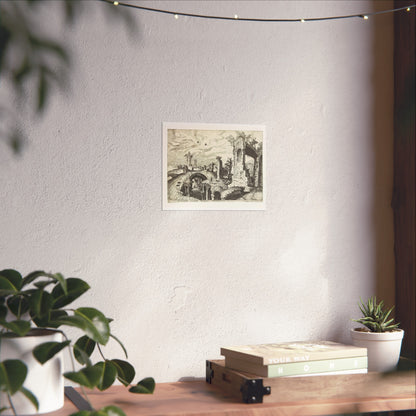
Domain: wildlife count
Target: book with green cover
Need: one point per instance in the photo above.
(299, 368)
(292, 352)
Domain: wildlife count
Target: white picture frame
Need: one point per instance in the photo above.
(209, 166)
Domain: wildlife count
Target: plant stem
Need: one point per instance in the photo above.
(11, 404)
(73, 369)
(19, 310)
(101, 353)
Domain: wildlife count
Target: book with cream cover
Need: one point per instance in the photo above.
(292, 352)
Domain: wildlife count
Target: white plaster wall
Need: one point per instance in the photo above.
(85, 196)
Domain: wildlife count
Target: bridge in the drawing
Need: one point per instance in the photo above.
(190, 183)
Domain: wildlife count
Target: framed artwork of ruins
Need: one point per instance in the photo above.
(213, 166)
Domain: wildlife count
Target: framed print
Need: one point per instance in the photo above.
(213, 166)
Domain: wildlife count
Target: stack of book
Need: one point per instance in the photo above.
(296, 359)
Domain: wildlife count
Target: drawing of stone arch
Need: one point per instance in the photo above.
(247, 175)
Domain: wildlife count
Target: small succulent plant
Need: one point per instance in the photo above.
(375, 318)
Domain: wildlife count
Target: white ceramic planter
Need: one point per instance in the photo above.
(44, 381)
(383, 348)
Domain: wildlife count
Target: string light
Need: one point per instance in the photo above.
(249, 19)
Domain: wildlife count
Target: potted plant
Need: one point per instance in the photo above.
(380, 335)
(34, 310)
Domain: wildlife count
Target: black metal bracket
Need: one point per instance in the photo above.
(77, 399)
(253, 391)
(209, 372)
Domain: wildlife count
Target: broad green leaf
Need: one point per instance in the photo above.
(30, 396)
(18, 305)
(31, 277)
(75, 288)
(82, 357)
(54, 318)
(6, 287)
(145, 386)
(98, 328)
(43, 284)
(75, 321)
(40, 304)
(83, 349)
(45, 351)
(53, 278)
(62, 281)
(94, 325)
(13, 276)
(88, 376)
(108, 374)
(3, 312)
(18, 327)
(12, 375)
(125, 371)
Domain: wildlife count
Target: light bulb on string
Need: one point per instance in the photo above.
(176, 17)
(250, 19)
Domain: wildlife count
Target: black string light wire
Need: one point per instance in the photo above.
(364, 16)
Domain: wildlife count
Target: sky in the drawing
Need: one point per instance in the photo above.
(204, 145)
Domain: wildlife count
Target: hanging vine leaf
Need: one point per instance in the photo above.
(10, 282)
(145, 386)
(83, 349)
(91, 321)
(75, 288)
(12, 375)
(13, 276)
(125, 371)
(108, 374)
(18, 327)
(40, 303)
(47, 350)
(3, 312)
(88, 376)
(18, 305)
(98, 328)
(29, 395)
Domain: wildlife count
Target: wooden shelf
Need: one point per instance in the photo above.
(296, 396)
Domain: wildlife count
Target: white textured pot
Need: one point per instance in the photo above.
(44, 381)
(383, 348)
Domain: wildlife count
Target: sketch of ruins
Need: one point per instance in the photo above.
(207, 167)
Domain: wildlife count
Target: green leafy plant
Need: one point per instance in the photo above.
(41, 300)
(375, 317)
(31, 59)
